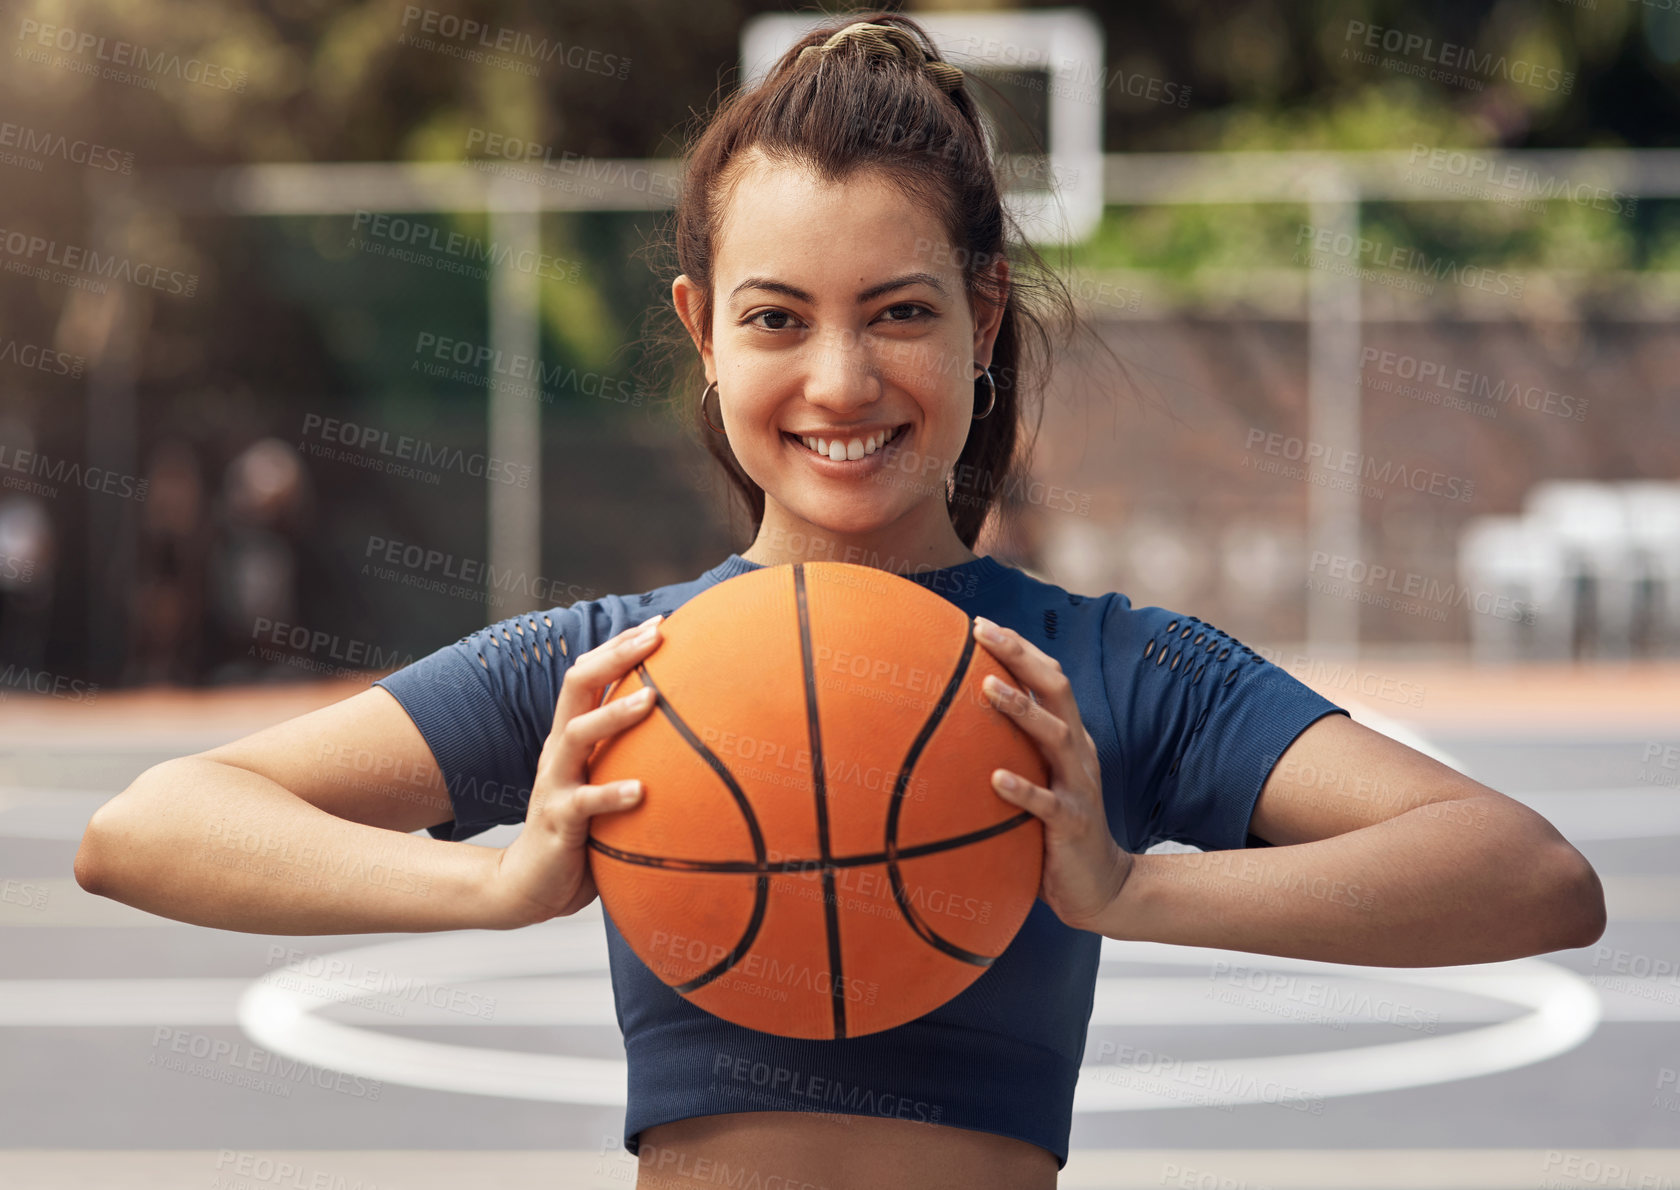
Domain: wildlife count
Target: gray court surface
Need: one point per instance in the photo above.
(138, 1051)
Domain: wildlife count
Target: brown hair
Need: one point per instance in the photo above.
(849, 109)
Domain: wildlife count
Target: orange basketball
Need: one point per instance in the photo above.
(818, 851)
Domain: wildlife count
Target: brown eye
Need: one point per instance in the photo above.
(783, 314)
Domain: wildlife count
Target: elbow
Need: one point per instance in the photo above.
(92, 866)
(1578, 902)
(86, 868)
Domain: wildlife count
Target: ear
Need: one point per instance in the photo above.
(689, 300)
(988, 312)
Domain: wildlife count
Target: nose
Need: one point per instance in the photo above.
(840, 374)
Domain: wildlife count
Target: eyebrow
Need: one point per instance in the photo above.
(874, 291)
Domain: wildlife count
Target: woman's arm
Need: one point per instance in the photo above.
(297, 829)
(1385, 857)
(1381, 856)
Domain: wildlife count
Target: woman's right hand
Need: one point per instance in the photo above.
(544, 872)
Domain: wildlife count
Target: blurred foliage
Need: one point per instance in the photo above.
(328, 81)
(293, 315)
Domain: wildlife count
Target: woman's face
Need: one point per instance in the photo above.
(839, 315)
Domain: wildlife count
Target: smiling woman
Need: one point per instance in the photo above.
(848, 273)
(863, 311)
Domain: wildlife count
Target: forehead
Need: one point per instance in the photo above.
(785, 219)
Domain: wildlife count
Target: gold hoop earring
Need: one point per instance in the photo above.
(703, 417)
(991, 384)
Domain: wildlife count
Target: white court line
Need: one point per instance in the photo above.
(1563, 1007)
(1564, 1011)
(614, 1169)
(586, 1001)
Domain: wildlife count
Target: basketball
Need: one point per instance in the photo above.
(818, 851)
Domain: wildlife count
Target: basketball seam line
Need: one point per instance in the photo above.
(762, 869)
(761, 893)
(819, 783)
(786, 866)
(924, 931)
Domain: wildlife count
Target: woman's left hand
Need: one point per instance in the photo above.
(1084, 867)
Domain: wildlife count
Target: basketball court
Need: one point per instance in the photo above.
(209, 1058)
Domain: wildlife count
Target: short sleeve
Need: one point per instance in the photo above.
(1201, 719)
(485, 705)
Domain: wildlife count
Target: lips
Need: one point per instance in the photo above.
(823, 447)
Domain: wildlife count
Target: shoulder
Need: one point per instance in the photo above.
(562, 632)
(1175, 643)
(537, 645)
(1052, 617)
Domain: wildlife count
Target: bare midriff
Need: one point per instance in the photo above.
(830, 1151)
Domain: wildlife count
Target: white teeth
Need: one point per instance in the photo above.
(855, 448)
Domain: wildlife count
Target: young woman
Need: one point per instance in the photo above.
(863, 318)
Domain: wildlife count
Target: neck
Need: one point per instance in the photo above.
(898, 548)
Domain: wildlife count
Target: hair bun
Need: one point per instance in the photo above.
(889, 41)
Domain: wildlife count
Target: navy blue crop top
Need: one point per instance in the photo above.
(1188, 723)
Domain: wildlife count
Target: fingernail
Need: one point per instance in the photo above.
(1008, 781)
(1001, 687)
(642, 697)
(629, 789)
(988, 630)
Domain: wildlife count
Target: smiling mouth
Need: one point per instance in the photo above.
(829, 447)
